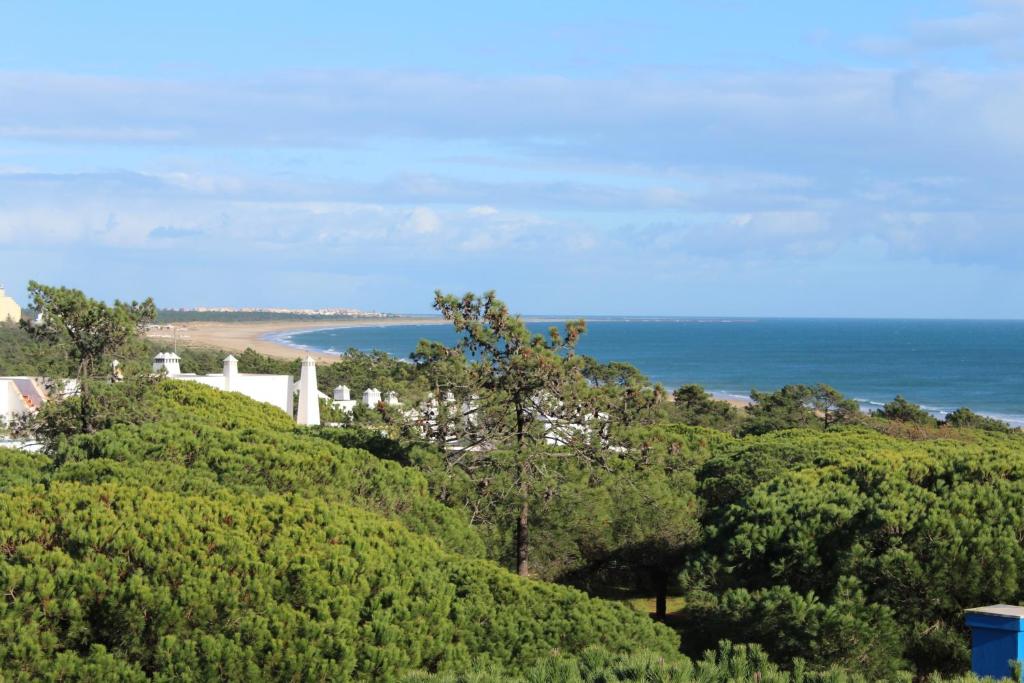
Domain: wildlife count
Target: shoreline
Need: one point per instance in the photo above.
(271, 339)
(266, 336)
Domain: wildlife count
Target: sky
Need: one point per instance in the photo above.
(686, 157)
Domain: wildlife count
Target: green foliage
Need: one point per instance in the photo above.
(728, 664)
(182, 532)
(89, 331)
(832, 407)
(91, 336)
(892, 538)
(902, 410)
(844, 632)
(965, 418)
(519, 385)
(201, 437)
(787, 408)
(21, 354)
(619, 529)
(694, 406)
(21, 467)
(796, 406)
(117, 580)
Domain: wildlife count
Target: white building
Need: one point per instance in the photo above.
(20, 396)
(273, 389)
(371, 397)
(343, 398)
(309, 395)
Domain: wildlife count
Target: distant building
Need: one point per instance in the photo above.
(343, 398)
(371, 397)
(20, 396)
(25, 395)
(10, 311)
(273, 389)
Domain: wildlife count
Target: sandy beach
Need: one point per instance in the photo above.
(237, 337)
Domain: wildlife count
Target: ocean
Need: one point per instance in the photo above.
(939, 364)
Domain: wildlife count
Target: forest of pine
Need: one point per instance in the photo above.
(169, 531)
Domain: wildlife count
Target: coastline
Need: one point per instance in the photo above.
(272, 338)
(267, 337)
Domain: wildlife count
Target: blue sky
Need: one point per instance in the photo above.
(704, 157)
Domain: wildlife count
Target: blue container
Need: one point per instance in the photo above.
(997, 638)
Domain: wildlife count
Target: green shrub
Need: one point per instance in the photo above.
(895, 537)
(126, 581)
(202, 438)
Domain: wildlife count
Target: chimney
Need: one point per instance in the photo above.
(168, 362)
(997, 639)
(309, 395)
(230, 372)
(371, 397)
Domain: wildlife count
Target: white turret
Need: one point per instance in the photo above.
(391, 398)
(371, 397)
(309, 396)
(342, 393)
(230, 372)
(167, 362)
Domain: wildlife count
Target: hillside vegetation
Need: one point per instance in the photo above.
(180, 549)
(170, 531)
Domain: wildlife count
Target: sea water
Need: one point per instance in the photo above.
(940, 364)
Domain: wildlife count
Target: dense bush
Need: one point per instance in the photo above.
(213, 539)
(855, 548)
(117, 580)
(618, 530)
(199, 439)
(729, 664)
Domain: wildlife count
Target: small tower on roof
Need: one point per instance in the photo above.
(342, 393)
(309, 396)
(168, 362)
(371, 397)
(230, 372)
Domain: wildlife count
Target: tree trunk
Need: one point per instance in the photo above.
(523, 523)
(523, 539)
(661, 595)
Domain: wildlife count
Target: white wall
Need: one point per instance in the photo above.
(11, 402)
(273, 389)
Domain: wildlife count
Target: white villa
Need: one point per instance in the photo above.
(19, 396)
(301, 398)
(372, 397)
(343, 398)
(273, 389)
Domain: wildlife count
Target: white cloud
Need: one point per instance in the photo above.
(422, 221)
